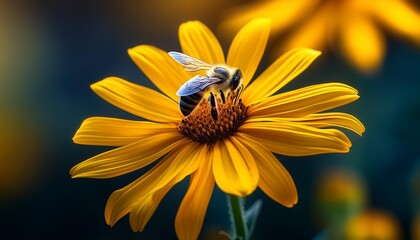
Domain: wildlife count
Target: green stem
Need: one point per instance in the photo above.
(238, 218)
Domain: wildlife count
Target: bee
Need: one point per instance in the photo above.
(219, 78)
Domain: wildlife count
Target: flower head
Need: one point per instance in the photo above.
(353, 24)
(234, 151)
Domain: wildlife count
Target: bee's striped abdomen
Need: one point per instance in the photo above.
(188, 103)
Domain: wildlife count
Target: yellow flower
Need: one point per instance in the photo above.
(373, 225)
(353, 24)
(235, 152)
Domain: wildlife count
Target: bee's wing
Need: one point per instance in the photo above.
(191, 64)
(196, 84)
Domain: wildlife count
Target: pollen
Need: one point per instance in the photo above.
(201, 127)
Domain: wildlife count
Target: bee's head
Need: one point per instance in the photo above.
(220, 72)
(232, 77)
(236, 79)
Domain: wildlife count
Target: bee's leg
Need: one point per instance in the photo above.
(213, 104)
(238, 92)
(222, 96)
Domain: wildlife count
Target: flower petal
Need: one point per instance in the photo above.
(275, 180)
(281, 72)
(160, 68)
(399, 16)
(282, 13)
(138, 100)
(144, 208)
(318, 26)
(176, 165)
(304, 101)
(128, 158)
(332, 119)
(234, 168)
(248, 47)
(362, 42)
(321, 120)
(293, 139)
(193, 212)
(198, 41)
(105, 131)
(190, 217)
(127, 199)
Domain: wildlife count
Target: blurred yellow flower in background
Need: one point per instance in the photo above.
(340, 194)
(373, 225)
(20, 171)
(354, 25)
(23, 139)
(415, 227)
(341, 186)
(234, 151)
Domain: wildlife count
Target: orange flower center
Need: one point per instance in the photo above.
(201, 127)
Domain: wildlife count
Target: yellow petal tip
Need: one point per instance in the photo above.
(190, 23)
(108, 221)
(313, 51)
(76, 138)
(75, 172)
(105, 82)
(99, 83)
(72, 175)
(132, 51)
(291, 203)
(135, 50)
(307, 51)
(261, 21)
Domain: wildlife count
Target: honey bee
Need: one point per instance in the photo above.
(219, 78)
